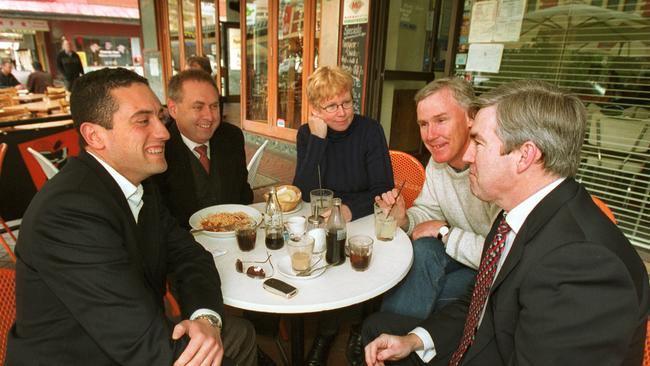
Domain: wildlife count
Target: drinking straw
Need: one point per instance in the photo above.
(396, 197)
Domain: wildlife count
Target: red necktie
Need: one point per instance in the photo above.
(203, 157)
(484, 279)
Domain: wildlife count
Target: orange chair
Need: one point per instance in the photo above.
(3, 152)
(603, 207)
(646, 354)
(408, 169)
(172, 305)
(7, 307)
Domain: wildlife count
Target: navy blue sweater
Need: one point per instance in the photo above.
(354, 164)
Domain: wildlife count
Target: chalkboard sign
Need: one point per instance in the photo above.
(353, 51)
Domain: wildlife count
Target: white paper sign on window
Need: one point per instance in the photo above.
(484, 57)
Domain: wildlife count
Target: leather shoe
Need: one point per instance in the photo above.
(320, 350)
(354, 349)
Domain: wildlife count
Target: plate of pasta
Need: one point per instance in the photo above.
(221, 221)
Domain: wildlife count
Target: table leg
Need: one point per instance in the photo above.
(297, 339)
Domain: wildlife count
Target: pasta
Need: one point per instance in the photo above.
(225, 221)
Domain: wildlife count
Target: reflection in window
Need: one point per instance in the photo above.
(189, 27)
(290, 44)
(173, 35)
(256, 60)
(208, 20)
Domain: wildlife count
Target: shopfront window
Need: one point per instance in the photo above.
(208, 21)
(257, 88)
(601, 54)
(290, 44)
(277, 63)
(172, 9)
(189, 27)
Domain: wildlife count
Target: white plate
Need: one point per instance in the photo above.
(295, 209)
(195, 219)
(285, 268)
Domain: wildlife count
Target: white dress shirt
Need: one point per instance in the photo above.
(515, 219)
(133, 196)
(191, 145)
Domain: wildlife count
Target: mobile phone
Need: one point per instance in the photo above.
(279, 287)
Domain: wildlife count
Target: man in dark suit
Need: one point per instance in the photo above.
(96, 245)
(207, 160)
(558, 284)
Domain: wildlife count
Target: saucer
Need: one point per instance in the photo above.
(285, 268)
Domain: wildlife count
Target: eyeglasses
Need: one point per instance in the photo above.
(331, 108)
(254, 271)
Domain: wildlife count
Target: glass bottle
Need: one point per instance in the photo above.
(336, 235)
(273, 222)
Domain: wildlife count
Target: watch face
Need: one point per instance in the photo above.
(444, 230)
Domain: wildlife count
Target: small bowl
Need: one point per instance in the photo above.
(287, 201)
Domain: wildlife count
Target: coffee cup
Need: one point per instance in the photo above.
(296, 225)
(300, 249)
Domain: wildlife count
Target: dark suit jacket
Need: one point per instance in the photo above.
(90, 281)
(572, 291)
(228, 172)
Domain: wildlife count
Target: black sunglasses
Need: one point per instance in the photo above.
(254, 271)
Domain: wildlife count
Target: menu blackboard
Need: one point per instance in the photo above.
(353, 58)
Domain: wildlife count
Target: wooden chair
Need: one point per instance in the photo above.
(7, 100)
(7, 307)
(408, 169)
(3, 153)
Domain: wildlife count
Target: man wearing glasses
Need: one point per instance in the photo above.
(352, 155)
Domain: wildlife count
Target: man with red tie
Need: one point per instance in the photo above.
(206, 157)
(558, 283)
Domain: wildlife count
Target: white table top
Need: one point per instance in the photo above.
(338, 287)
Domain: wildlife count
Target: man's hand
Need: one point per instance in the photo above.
(345, 211)
(399, 210)
(388, 347)
(427, 228)
(205, 347)
(317, 126)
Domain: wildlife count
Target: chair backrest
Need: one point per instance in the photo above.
(646, 354)
(603, 207)
(408, 170)
(6, 100)
(49, 169)
(3, 153)
(254, 164)
(7, 307)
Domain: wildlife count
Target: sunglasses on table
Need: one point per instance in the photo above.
(254, 270)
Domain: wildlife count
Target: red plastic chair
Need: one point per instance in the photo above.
(407, 168)
(646, 354)
(7, 307)
(3, 152)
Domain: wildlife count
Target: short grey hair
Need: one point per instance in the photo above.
(532, 110)
(462, 91)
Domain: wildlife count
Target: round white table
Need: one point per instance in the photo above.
(338, 287)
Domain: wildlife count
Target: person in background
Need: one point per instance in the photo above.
(199, 63)
(97, 246)
(38, 80)
(69, 64)
(447, 223)
(559, 283)
(352, 154)
(7, 79)
(199, 137)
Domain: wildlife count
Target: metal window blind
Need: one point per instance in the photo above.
(602, 54)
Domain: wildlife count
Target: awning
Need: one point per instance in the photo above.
(84, 10)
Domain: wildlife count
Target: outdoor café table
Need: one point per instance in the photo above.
(338, 287)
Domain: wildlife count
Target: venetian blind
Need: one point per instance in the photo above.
(602, 54)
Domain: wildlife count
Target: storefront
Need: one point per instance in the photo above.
(22, 41)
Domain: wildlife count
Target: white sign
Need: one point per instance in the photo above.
(355, 11)
(484, 57)
(496, 21)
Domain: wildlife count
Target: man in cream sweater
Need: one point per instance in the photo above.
(447, 223)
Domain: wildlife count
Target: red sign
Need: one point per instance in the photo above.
(57, 148)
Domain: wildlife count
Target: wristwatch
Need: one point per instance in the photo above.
(213, 320)
(442, 232)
